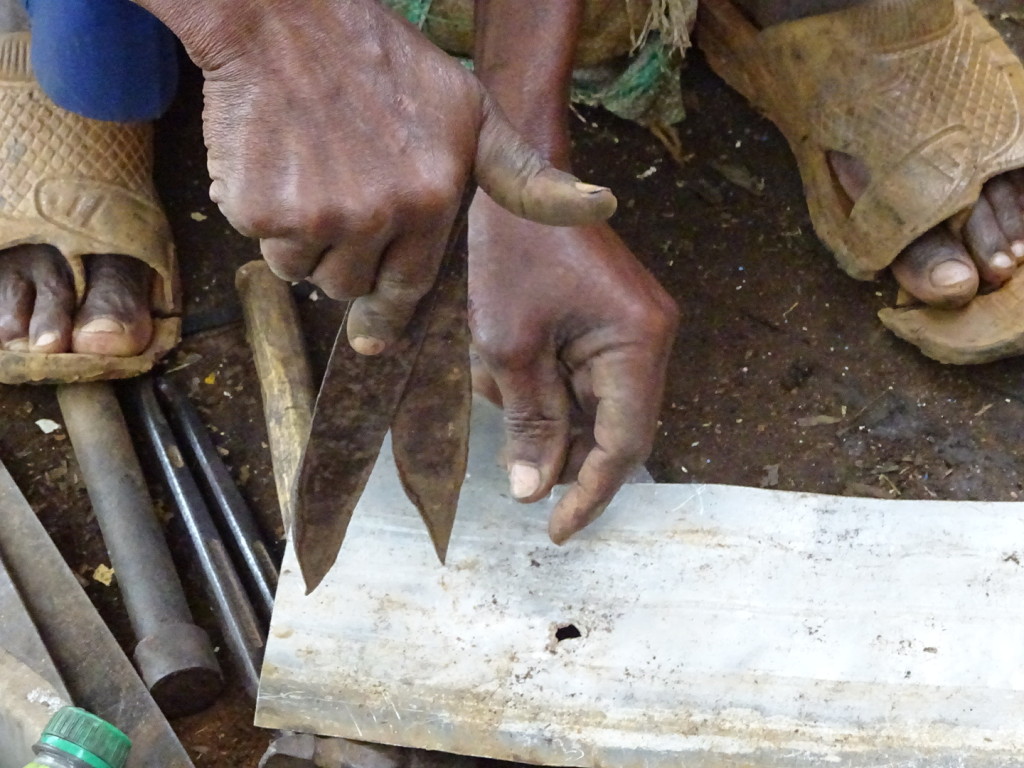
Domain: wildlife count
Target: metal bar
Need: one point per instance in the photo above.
(241, 629)
(95, 670)
(174, 656)
(233, 511)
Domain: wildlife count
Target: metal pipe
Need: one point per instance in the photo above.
(173, 655)
(243, 635)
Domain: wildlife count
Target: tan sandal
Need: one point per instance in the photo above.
(929, 97)
(83, 186)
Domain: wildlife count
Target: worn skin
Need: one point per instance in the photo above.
(270, 56)
(572, 334)
(342, 139)
(939, 268)
(349, 167)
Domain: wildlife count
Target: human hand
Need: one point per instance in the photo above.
(343, 139)
(572, 337)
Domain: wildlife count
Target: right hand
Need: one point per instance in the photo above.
(572, 337)
(343, 139)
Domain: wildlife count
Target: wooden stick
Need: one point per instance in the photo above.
(286, 384)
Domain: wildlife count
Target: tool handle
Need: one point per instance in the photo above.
(286, 383)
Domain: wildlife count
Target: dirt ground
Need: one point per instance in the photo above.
(781, 377)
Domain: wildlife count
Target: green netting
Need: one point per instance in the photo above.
(644, 88)
(415, 11)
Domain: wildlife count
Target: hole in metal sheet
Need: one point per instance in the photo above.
(567, 632)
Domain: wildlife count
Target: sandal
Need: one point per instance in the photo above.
(929, 97)
(83, 186)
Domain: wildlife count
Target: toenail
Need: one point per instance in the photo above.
(950, 273)
(1018, 249)
(46, 339)
(17, 345)
(103, 325)
(1002, 260)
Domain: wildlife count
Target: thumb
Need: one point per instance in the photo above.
(536, 407)
(516, 177)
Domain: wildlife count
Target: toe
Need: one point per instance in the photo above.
(36, 299)
(114, 318)
(1005, 200)
(50, 326)
(16, 297)
(937, 270)
(988, 245)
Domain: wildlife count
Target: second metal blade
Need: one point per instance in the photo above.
(430, 431)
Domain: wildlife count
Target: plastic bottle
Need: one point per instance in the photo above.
(75, 738)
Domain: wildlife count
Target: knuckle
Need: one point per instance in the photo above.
(404, 291)
(501, 352)
(432, 192)
(529, 426)
(634, 448)
(369, 222)
(341, 289)
(656, 318)
(250, 218)
(286, 269)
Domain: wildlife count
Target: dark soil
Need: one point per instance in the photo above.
(782, 376)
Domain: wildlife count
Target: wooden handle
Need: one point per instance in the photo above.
(286, 384)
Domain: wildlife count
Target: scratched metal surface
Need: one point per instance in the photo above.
(719, 626)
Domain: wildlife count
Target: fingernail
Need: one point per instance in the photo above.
(590, 189)
(950, 273)
(46, 339)
(1002, 260)
(523, 479)
(1018, 249)
(103, 325)
(367, 345)
(17, 345)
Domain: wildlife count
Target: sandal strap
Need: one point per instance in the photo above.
(83, 186)
(924, 92)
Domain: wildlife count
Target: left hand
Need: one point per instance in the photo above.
(573, 336)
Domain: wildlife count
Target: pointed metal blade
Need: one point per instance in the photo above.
(430, 431)
(357, 401)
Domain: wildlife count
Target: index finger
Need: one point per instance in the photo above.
(407, 272)
(628, 392)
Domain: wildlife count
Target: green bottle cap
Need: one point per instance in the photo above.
(87, 737)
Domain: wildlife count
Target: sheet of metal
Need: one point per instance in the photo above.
(27, 702)
(95, 670)
(19, 636)
(32, 689)
(691, 625)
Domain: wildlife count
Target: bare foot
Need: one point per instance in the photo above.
(940, 268)
(37, 304)
(944, 270)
